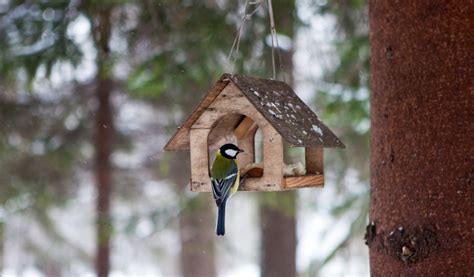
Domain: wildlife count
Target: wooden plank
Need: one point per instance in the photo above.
(257, 184)
(304, 181)
(223, 130)
(248, 145)
(314, 160)
(272, 157)
(199, 156)
(251, 185)
(200, 187)
(245, 128)
(230, 101)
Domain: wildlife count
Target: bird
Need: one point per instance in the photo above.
(225, 179)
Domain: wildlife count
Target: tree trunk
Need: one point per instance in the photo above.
(278, 210)
(197, 231)
(422, 205)
(103, 143)
(196, 224)
(2, 244)
(278, 234)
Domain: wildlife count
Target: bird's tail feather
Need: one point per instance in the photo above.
(220, 229)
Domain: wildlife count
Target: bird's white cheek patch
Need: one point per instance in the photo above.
(231, 152)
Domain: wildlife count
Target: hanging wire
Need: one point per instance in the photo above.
(232, 57)
(272, 28)
(274, 38)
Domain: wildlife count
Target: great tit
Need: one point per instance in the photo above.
(225, 179)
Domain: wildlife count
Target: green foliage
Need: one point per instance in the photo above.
(343, 98)
(37, 162)
(354, 56)
(33, 34)
(190, 51)
(175, 50)
(282, 202)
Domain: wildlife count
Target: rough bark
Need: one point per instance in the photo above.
(103, 142)
(422, 157)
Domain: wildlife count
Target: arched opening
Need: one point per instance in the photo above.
(263, 161)
(240, 130)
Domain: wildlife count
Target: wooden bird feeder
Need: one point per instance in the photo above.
(232, 111)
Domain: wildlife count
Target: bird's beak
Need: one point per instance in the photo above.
(241, 151)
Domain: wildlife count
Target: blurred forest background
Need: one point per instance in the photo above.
(90, 91)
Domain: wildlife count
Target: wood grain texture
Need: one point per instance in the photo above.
(251, 184)
(217, 119)
(272, 157)
(304, 181)
(247, 144)
(199, 156)
(232, 101)
(229, 101)
(245, 128)
(256, 184)
(223, 130)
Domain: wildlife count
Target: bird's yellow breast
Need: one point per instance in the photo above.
(235, 187)
(222, 167)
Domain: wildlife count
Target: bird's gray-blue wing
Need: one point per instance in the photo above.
(221, 187)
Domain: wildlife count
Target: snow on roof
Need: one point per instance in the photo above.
(288, 114)
(277, 102)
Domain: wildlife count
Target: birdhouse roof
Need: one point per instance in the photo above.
(277, 102)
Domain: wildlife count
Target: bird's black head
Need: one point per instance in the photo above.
(230, 151)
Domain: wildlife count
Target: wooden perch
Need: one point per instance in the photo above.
(254, 171)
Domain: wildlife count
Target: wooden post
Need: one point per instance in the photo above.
(272, 158)
(200, 180)
(248, 146)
